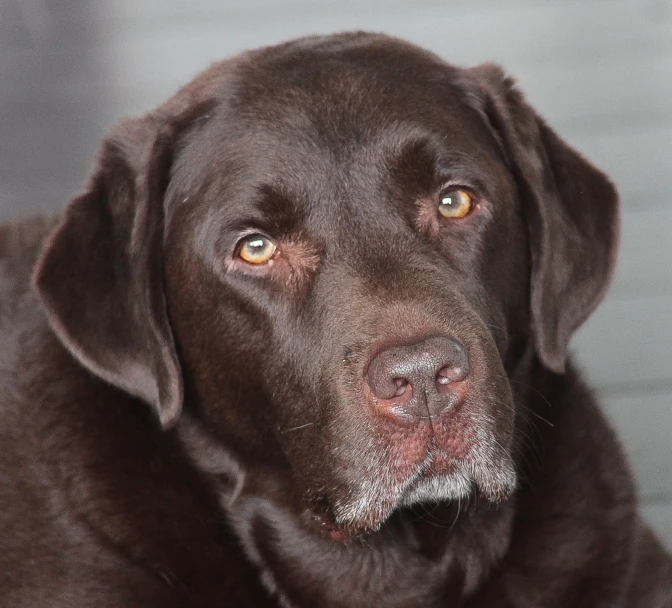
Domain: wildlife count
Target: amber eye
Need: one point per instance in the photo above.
(455, 203)
(256, 249)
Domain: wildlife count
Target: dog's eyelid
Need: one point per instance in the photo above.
(469, 185)
(249, 232)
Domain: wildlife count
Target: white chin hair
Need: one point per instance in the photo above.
(440, 488)
(374, 502)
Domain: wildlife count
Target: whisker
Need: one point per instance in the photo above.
(296, 428)
(430, 518)
(540, 394)
(496, 327)
(457, 514)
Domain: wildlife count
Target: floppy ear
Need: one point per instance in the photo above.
(100, 276)
(572, 214)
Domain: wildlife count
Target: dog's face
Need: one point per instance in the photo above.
(342, 247)
(355, 278)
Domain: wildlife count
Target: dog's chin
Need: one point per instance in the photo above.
(438, 488)
(495, 486)
(370, 510)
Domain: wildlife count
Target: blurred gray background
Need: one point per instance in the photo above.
(600, 71)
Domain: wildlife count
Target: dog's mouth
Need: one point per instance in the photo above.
(439, 478)
(374, 461)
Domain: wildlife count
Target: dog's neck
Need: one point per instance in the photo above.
(414, 551)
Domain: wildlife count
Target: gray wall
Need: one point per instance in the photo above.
(599, 70)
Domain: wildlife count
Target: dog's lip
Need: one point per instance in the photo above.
(422, 453)
(324, 520)
(437, 462)
(328, 527)
(423, 456)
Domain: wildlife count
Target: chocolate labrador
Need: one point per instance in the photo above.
(302, 342)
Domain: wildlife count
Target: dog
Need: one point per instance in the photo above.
(302, 341)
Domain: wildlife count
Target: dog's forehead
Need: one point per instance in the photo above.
(332, 124)
(343, 112)
(344, 99)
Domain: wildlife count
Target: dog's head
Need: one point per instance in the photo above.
(336, 252)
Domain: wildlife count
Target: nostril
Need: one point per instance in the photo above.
(383, 380)
(442, 378)
(401, 385)
(453, 373)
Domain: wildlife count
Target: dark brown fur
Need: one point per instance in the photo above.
(180, 429)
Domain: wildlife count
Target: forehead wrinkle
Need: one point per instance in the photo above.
(448, 140)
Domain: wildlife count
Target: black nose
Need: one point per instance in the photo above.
(419, 380)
